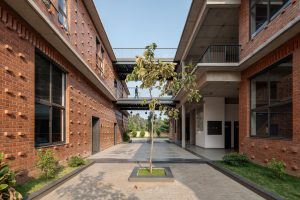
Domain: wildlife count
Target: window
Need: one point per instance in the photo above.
(271, 101)
(99, 58)
(62, 13)
(49, 102)
(262, 11)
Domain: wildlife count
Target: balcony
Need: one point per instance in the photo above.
(221, 54)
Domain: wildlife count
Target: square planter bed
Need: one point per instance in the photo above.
(160, 174)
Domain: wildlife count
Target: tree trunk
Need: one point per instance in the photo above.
(151, 136)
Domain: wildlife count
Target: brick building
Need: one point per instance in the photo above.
(246, 54)
(57, 82)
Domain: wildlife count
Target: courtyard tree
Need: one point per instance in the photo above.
(154, 73)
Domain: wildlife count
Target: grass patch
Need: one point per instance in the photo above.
(155, 172)
(287, 186)
(38, 183)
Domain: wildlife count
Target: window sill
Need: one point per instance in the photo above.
(50, 145)
(270, 138)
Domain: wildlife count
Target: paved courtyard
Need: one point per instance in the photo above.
(109, 180)
(139, 151)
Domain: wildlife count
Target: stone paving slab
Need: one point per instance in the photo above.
(110, 181)
(140, 152)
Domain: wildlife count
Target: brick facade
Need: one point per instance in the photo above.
(18, 42)
(248, 43)
(258, 149)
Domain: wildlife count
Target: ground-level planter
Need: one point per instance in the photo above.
(56, 183)
(135, 176)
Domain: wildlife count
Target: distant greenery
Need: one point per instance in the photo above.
(155, 172)
(160, 125)
(136, 123)
(133, 133)
(287, 186)
(142, 133)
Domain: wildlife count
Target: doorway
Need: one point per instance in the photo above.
(115, 133)
(236, 135)
(227, 135)
(95, 135)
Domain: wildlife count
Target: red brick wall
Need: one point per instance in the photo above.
(248, 44)
(81, 34)
(17, 56)
(262, 150)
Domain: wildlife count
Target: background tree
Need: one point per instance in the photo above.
(154, 73)
(136, 122)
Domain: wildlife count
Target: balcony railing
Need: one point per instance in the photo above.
(144, 93)
(160, 53)
(221, 54)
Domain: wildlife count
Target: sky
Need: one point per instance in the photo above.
(137, 23)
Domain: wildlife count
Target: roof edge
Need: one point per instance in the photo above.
(94, 15)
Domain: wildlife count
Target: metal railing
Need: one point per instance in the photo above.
(221, 54)
(161, 53)
(144, 93)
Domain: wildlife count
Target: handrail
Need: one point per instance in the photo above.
(221, 54)
(131, 52)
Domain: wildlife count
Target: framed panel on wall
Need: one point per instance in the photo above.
(214, 127)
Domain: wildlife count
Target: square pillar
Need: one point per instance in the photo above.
(183, 126)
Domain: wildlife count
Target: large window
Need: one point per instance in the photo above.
(62, 13)
(271, 101)
(49, 102)
(262, 11)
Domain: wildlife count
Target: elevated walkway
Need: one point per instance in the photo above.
(132, 103)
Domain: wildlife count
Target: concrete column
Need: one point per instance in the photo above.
(183, 126)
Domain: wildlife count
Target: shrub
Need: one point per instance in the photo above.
(7, 182)
(236, 159)
(125, 137)
(158, 133)
(133, 133)
(142, 133)
(276, 167)
(47, 163)
(76, 161)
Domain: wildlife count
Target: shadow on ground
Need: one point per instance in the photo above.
(92, 187)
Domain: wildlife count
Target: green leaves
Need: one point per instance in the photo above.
(3, 187)
(154, 73)
(47, 163)
(7, 181)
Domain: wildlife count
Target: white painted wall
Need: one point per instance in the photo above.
(232, 115)
(200, 134)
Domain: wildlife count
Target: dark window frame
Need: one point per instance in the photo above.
(99, 57)
(64, 14)
(50, 102)
(269, 18)
(269, 106)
